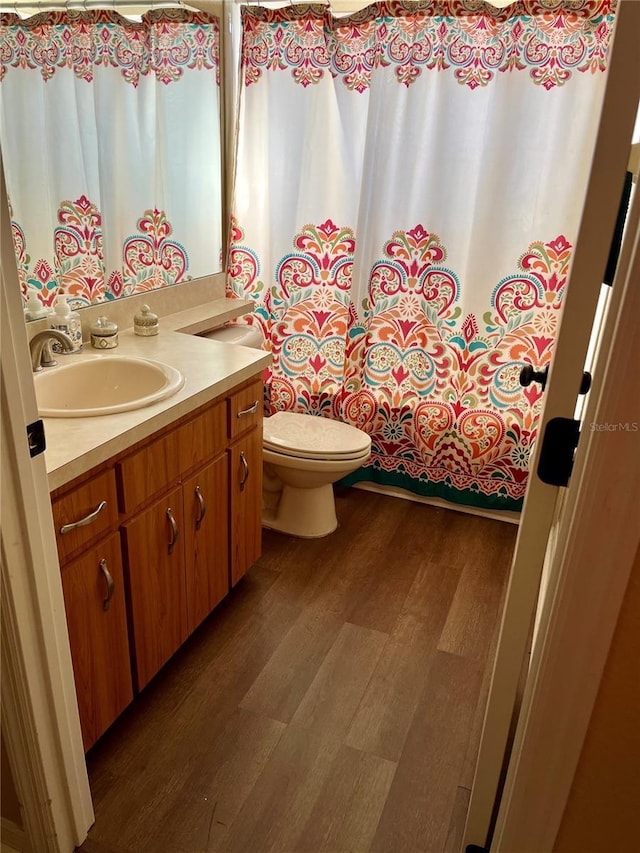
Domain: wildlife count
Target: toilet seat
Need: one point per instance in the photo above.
(312, 437)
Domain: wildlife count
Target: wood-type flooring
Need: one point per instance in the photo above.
(332, 703)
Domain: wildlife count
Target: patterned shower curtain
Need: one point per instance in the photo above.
(110, 135)
(408, 189)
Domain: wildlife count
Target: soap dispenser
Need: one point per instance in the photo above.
(68, 321)
(35, 310)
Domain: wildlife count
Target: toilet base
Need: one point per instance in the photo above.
(306, 513)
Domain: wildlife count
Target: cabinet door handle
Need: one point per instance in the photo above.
(67, 528)
(174, 529)
(245, 470)
(110, 585)
(253, 408)
(202, 508)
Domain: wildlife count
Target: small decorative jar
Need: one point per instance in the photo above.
(146, 322)
(104, 334)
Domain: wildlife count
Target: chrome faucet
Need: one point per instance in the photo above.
(40, 348)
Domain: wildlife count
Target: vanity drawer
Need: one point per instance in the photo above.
(85, 513)
(203, 438)
(148, 472)
(245, 409)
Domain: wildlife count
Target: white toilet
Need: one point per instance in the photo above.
(303, 456)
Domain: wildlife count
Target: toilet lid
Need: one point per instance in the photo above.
(312, 437)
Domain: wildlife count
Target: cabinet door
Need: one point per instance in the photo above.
(97, 623)
(245, 489)
(206, 540)
(154, 562)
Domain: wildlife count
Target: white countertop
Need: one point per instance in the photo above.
(211, 368)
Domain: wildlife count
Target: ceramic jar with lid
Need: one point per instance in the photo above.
(146, 322)
(104, 334)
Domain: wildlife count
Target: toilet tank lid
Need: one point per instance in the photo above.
(312, 436)
(247, 336)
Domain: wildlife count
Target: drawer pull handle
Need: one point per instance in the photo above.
(174, 529)
(202, 508)
(245, 470)
(67, 528)
(110, 585)
(253, 408)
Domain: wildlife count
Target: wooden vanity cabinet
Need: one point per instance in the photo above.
(187, 503)
(86, 519)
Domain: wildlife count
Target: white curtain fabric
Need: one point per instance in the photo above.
(408, 187)
(110, 135)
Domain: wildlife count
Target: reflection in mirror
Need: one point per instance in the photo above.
(110, 138)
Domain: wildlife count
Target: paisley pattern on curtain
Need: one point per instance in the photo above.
(168, 43)
(440, 398)
(548, 39)
(420, 257)
(105, 187)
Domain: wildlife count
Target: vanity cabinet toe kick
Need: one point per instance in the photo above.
(150, 543)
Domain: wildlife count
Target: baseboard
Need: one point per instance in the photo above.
(14, 839)
(393, 491)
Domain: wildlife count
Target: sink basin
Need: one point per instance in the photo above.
(103, 385)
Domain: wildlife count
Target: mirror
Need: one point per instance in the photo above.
(113, 170)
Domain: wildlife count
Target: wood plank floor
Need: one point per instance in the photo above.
(332, 703)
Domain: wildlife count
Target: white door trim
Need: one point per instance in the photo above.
(40, 723)
(602, 199)
(586, 586)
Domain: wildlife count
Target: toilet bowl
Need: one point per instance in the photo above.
(303, 456)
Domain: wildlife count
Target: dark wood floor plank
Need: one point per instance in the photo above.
(382, 596)
(332, 699)
(361, 560)
(453, 844)
(348, 807)
(217, 785)
(421, 799)
(278, 690)
(304, 564)
(386, 711)
(426, 607)
(278, 808)
(471, 619)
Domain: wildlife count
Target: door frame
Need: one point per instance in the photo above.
(40, 722)
(587, 581)
(608, 166)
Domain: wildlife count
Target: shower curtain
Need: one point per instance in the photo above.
(408, 187)
(110, 138)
